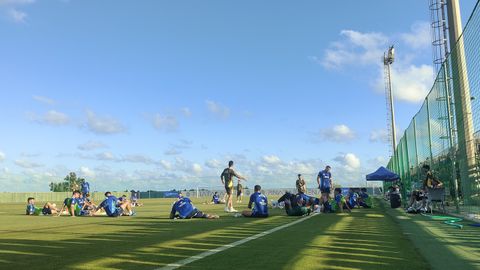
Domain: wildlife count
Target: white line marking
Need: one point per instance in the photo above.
(229, 246)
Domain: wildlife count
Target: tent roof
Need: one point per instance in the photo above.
(383, 174)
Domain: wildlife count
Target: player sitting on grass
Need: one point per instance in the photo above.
(72, 205)
(364, 200)
(48, 208)
(258, 204)
(135, 202)
(338, 204)
(115, 208)
(186, 210)
(296, 206)
(351, 198)
(216, 199)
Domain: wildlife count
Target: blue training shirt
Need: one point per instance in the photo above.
(325, 179)
(184, 207)
(260, 204)
(85, 188)
(110, 205)
(216, 199)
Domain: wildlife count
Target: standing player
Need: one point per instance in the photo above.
(227, 180)
(239, 191)
(301, 185)
(258, 205)
(325, 183)
(85, 189)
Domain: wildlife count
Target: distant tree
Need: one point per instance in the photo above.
(70, 183)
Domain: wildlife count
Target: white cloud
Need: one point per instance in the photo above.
(44, 100)
(103, 125)
(339, 133)
(379, 135)
(2, 156)
(271, 159)
(172, 152)
(186, 112)
(165, 123)
(27, 164)
(355, 48)
(411, 82)
(197, 168)
(87, 172)
(106, 156)
(92, 145)
(213, 164)
(16, 2)
(218, 109)
(167, 165)
(51, 117)
(138, 159)
(17, 16)
(419, 37)
(350, 162)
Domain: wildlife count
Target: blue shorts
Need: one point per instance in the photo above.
(325, 190)
(259, 215)
(117, 212)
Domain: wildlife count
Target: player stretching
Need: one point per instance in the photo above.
(227, 180)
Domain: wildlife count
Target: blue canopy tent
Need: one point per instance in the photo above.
(383, 174)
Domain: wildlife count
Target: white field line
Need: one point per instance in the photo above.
(229, 246)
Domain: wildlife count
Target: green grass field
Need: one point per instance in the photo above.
(366, 239)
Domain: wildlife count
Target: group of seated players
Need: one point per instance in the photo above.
(298, 204)
(80, 205)
(294, 204)
(301, 204)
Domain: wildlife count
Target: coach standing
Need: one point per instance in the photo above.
(325, 183)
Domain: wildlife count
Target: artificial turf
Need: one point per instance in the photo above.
(364, 239)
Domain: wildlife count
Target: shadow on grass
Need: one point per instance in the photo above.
(365, 239)
(443, 246)
(136, 243)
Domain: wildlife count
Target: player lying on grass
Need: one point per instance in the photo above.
(298, 205)
(258, 204)
(364, 200)
(114, 207)
(186, 210)
(48, 208)
(337, 204)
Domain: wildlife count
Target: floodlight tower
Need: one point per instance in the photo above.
(388, 59)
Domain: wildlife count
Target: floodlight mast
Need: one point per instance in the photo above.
(388, 59)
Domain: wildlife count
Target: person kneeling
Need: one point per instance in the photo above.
(186, 210)
(258, 204)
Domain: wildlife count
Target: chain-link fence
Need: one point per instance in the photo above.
(439, 136)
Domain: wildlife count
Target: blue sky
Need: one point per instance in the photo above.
(161, 94)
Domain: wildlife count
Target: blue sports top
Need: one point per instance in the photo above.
(184, 207)
(110, 205)
(260, 204)
(325, 178)
(85, 187)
